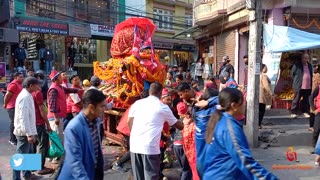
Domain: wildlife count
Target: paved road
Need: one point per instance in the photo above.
(266, 157)
(277, 156)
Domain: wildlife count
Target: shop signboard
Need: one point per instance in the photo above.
(162, 45)
(79, 30)
(9, 35)
(2, 73)
(101, 30)
(184, 47)
(36, 26)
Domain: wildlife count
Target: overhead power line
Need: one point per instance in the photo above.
(96, 11)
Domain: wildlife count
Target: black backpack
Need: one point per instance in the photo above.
(221, 78)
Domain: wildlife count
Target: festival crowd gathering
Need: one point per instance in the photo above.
(183, 116)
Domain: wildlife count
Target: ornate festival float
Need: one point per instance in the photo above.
(132, 68)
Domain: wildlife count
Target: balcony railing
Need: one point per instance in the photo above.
(208, 10)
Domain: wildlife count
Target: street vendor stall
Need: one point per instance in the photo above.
(132, 68)
(283, 87)
(284, 47)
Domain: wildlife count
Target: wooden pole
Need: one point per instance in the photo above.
(254, 62)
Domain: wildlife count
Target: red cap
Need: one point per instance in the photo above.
(54, 74)
(165, 93)
(182, 108)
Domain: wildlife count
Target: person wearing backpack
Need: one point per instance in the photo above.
(226, 67)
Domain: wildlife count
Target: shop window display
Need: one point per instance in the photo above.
(283, 89)
(182, 58)
(162, 54)
(30, 41)
(85, 49)
(35, 44)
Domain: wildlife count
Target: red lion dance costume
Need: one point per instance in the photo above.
(133, 65)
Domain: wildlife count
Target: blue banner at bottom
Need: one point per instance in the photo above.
(26, 162)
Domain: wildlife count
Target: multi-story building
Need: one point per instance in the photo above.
(86, 24)
(224, 26)
(172, 18)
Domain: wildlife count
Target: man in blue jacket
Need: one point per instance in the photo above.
(48, 57)
(84, 158)
(20, 55)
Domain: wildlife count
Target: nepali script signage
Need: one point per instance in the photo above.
(43, 27)
(101, 30)
(162, 45)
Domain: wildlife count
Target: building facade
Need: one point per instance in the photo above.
(87, 25)
(172, 17)
(224, 26)
(224, 31)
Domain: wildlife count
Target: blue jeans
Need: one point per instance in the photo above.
(23, 147)
(48, 67)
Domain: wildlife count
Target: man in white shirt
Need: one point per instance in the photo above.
(146, 119)
(25, 121)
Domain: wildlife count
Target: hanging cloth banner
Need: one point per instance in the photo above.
(285, 39)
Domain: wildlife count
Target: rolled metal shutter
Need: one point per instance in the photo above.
(226, 44)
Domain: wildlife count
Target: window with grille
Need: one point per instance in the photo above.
(163, 19)
(42, 8)
(188, 20)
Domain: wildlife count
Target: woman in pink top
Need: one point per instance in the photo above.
(13, 90)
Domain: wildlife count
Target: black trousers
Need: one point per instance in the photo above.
(126, 157)
(20, 62)
(311, 119)
(316, 128)
(42, 145)
(71, 62)
(200, 82)
(186, 173)
(11, 116)
(303, 105)
(262, 111)
(145, 167)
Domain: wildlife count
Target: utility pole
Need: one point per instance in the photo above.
(254, 62)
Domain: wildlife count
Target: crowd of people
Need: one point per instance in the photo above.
(36, 109)
(203, 151)
(198, 120)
